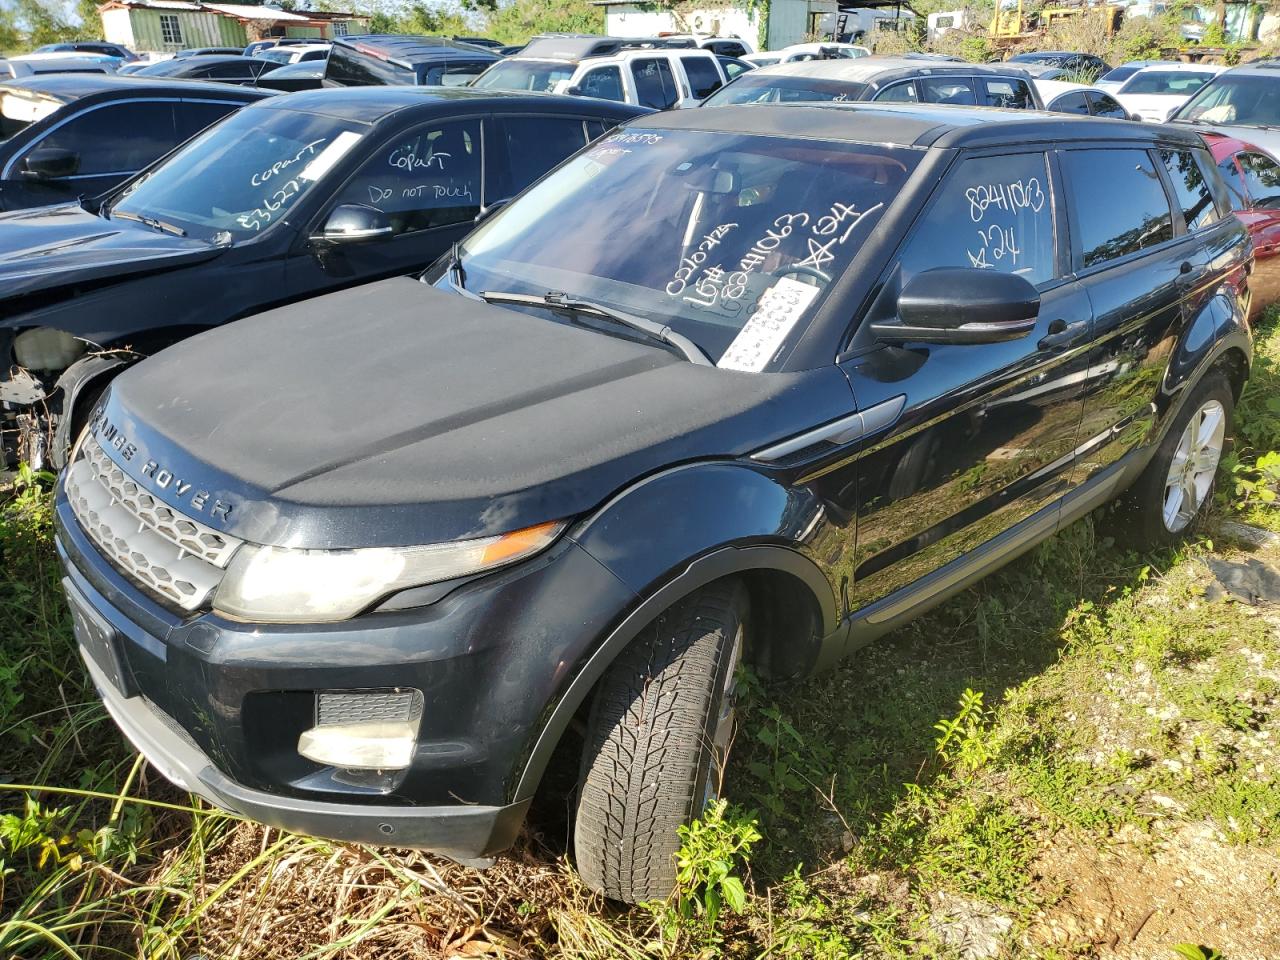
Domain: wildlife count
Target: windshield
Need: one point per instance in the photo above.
(1248, 101)
(1177, 83)
(240, 176)
(538, 75)
(781, 88)
(275, 55)
(732, 240)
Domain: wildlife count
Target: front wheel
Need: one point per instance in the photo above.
(658, 736)
(1176, 487)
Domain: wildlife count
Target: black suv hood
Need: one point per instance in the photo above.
(395, 414)
(47, 247)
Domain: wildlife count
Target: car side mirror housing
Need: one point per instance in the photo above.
(354, 223)
(51, 163)
(573, 90)
(962, 305)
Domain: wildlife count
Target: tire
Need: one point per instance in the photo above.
(1149, 505)
(652, 761)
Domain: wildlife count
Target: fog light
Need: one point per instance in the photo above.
(372, 745)
(364, 729)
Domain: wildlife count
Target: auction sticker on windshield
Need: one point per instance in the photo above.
(777, 312)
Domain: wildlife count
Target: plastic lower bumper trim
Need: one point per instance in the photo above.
(467, 834)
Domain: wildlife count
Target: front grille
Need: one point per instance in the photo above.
(335, 707)
(179, 559)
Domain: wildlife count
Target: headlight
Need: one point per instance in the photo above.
(279, 585)
(45, 348)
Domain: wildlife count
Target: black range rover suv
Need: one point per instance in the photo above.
(756, 383)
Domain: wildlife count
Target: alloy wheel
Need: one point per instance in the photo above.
(1194, 463)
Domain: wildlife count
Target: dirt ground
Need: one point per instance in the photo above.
(1132, 902)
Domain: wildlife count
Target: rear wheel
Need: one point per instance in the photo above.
(658, 737)
(1176, 487)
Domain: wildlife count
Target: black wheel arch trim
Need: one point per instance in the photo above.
(724, 562)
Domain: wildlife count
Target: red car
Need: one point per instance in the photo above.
(1253, 178)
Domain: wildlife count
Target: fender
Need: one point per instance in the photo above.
(728, 514)
(74, 383)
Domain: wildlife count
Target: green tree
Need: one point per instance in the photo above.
(12, 38)
(517, 21)
(45, 22)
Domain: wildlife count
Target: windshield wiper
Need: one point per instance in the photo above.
(151, 222)
(560, 301)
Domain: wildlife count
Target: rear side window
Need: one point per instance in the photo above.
(1120, 203)
(536, 144)
(1261, 179)
(1073, 102)
(117, 138)
(232, 71)
(993, 213)
(1014, 94)
(950, 90)
(191, 116)
(603, 83)
(426, 177)
(704, 78)
(655, 86)
(898, 93)
(1105, 106)
(1190, 188)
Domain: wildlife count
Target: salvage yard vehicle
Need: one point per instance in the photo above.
(72, 135)
(375, 59)
(1243, 102)
(661, 78)
(884, 79)
(315, 191)
(1153, 93)
(1060, 96)
(223, 69)
(1253, 180)
(357, 567)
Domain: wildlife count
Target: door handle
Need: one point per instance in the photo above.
(1063, 334)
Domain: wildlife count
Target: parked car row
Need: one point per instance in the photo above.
(412, 436)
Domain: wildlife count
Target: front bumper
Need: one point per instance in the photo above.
(217, 706)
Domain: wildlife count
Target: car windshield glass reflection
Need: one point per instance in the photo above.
(240, 177)
(535, 75)
(1176, 83)
(783, 89)
(1241, 100)
(715, 234)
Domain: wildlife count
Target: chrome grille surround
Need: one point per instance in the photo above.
(168, 553)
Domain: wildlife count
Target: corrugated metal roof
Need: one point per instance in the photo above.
(245, 12)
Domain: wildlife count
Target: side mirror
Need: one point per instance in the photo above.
(487, 211)
(51, 163)
(962, 305)
(573, 91)
(354, 223)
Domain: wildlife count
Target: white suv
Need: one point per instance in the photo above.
(660, 78)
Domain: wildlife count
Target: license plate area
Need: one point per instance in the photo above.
(99, 640)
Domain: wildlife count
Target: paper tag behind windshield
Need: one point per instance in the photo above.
(777, 312)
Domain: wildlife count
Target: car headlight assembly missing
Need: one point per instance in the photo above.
(280, 585)
(44, 348)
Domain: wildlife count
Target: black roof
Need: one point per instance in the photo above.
(372, 103)
(410, 50)
(73, 86)
(160, 68)
(912, 126)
